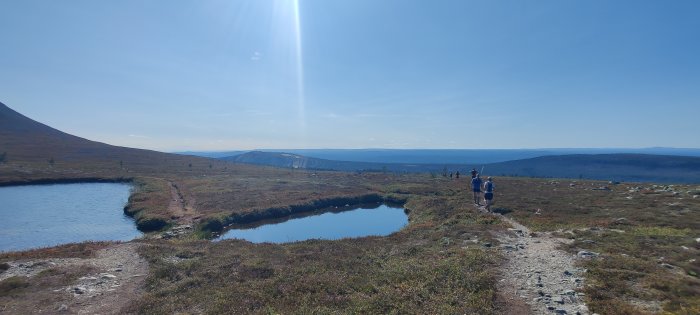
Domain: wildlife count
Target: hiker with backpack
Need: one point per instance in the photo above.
(476, 189)
(488, 193)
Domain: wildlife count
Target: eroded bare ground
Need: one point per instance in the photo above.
(100, 285)
(539, 274)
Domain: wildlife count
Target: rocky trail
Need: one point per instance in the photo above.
(111, 281)
(538, 273)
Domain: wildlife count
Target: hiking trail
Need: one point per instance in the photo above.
(538, 273)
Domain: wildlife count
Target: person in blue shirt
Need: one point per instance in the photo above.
(488, 192)
(476, 188)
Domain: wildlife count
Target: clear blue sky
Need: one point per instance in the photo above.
(219, 75)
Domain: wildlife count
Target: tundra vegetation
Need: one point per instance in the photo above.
(439, 263)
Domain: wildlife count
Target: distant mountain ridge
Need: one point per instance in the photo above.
(619, 167)
(448, 156)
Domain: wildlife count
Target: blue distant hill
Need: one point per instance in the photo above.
(449, 156)
(618, 167)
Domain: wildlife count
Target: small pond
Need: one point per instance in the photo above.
(47, 215)
(366, 220)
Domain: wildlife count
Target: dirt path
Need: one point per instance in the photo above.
(108, 282)
(538, 273)
(177, 202)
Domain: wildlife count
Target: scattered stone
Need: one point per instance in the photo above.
(486, 244)
(667, 266)
(568, 273)
(586, 254)
(570, 292)
(621, 221)
(79, 290)
(558, 299)
(560, 311)
(88, 278)
(509, 247)
(62, 308)
(107, 276)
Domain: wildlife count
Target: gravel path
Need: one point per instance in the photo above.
(539, 273)
(112, 279)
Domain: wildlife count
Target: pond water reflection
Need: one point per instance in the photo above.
(379, 219)
(47, 215)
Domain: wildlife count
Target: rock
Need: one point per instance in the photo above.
(107, 276)
(551, 308)
(558, 299)
(667, 266)
(568, 273)
(621, 221)
(560, 311)
(62, 308)
(486, 244)
(88, 278)
(79, 290)
(570, 292)
(508, 247)
(586, 254)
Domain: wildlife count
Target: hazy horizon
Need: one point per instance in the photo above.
(240, 75)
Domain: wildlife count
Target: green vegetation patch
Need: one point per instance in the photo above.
(659, 231)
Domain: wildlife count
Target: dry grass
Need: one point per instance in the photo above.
(73, 250)
(636, 228)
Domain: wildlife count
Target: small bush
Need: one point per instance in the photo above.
(4, 266)
(12, 285)
(151, 224)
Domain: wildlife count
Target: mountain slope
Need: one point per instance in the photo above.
(25, 141)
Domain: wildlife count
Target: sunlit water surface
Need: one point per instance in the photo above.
(378, 220)
(47, 215)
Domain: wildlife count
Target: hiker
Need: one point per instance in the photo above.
(474, 172)
(488, 193)
(457, 175)
(450, 175)
(476, 188)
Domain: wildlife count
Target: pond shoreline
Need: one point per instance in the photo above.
(76, 180)
(217, 225)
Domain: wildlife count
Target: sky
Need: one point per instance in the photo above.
(244, 74)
